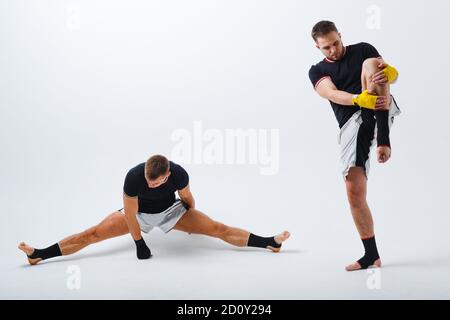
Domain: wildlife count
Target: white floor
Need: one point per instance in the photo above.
(411, 227)
(195, 267)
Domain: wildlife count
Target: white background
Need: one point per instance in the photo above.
(88, 89)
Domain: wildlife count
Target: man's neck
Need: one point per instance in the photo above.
(343, 55)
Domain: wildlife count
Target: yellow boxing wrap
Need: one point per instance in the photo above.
(365, 100)
(391, 73)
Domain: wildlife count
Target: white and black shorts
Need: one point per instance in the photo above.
(165, 220)
(358, 136)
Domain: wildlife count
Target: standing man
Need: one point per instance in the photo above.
(356, 81)
(149, 201)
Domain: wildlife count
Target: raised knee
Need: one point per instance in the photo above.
(371, 65)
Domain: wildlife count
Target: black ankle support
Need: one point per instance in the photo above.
(47, 253)
(371, 254)
(261, 242)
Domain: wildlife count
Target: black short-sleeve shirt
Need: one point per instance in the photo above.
(155, 200)
(345, 74)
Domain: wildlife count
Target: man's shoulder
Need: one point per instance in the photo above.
(178, 175)
(176, 168)
(136, 170)
(318, 67)
(359, 45)
(318, 64)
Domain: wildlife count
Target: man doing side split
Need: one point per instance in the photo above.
(149, 201)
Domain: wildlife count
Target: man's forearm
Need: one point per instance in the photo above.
(133, 225)
(341, 97)
(190, 202)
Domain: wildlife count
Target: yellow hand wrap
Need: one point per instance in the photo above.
(365, 100)
(391, 73)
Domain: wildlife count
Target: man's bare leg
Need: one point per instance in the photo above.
(114, 225)
(370, 67)
(356, 184)
(194, 221)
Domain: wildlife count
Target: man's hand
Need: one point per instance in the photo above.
(383, 103)
(370, 101)
(388, 74)
(142, 251)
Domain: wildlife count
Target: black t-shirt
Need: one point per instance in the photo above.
(345, 74)
(155, 200)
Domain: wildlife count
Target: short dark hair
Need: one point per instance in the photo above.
(156, 166)
(322, 28)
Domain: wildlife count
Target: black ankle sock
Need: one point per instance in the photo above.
(47, 253)
(371, 254)
(261, 242)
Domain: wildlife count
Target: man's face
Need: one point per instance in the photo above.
(331, 46)
(158, 181)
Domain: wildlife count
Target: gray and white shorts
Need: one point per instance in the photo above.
(357, 137)
(165, 220)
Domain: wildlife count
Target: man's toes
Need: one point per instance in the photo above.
(353, 267)
(26, 249)
(282, 237)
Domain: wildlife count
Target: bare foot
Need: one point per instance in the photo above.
(282, 237)
(28, 251)
(356, 266)
(383, 154)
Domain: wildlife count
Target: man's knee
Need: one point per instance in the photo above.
(371, 66)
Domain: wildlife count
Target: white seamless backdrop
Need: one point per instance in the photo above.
(89, 89)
